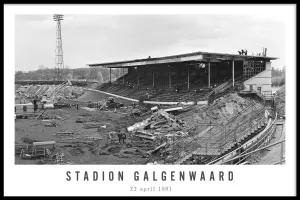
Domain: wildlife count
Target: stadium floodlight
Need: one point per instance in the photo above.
(59, 61)
(58, 17)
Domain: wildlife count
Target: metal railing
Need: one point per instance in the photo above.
(260, 139)
(258, 150)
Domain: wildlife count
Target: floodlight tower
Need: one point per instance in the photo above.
(59, 61)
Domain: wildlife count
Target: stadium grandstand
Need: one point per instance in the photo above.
(191, 77)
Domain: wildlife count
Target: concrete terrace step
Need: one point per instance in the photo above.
(181, 161)
(208, 151)
(229, 147)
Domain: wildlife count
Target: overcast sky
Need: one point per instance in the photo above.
(107, 38)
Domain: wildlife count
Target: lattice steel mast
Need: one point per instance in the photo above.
(59, 61)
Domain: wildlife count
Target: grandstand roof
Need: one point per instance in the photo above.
(196, 57)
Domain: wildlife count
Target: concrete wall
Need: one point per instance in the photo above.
(263, 80)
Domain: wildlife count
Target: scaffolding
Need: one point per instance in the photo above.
(252, 68)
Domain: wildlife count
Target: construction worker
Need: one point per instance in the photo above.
(123, 137)
(35, 104)
(120, 137)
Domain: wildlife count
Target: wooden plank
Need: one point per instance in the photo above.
(173, 109)
(161, 102)
(121, 97)
(159, 147)
(146, 137)
(202, 102)
(44, 143)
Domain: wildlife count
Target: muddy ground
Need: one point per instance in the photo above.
(101, 146)
(93, 146)
(76, 148)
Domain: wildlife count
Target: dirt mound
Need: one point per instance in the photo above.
(220, 111)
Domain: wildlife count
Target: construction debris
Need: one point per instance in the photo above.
(80, 120)
(66, 133)
(158, 126)
(158, 148)
(51, 124)
(87, 137)
(89, 125)
(147, 137)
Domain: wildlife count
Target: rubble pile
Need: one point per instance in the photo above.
(65, 92)
(159, 125)
(219, 112)
(47, 116)
(53, 158)
(70, 92)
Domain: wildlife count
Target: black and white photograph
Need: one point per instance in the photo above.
(106, 93)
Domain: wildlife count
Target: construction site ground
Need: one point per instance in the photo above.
(100, 145)
(80, 151)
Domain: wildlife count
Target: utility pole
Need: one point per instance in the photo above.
(252, 114)
(59, 61)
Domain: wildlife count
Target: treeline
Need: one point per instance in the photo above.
(99, 74)
(278, 77)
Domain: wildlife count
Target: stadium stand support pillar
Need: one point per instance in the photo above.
(110, 75)
(208, 74)
(170, 81)
(188, 76)
(232, 73)
(123, 77)
(138, 77)
(153, 79)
